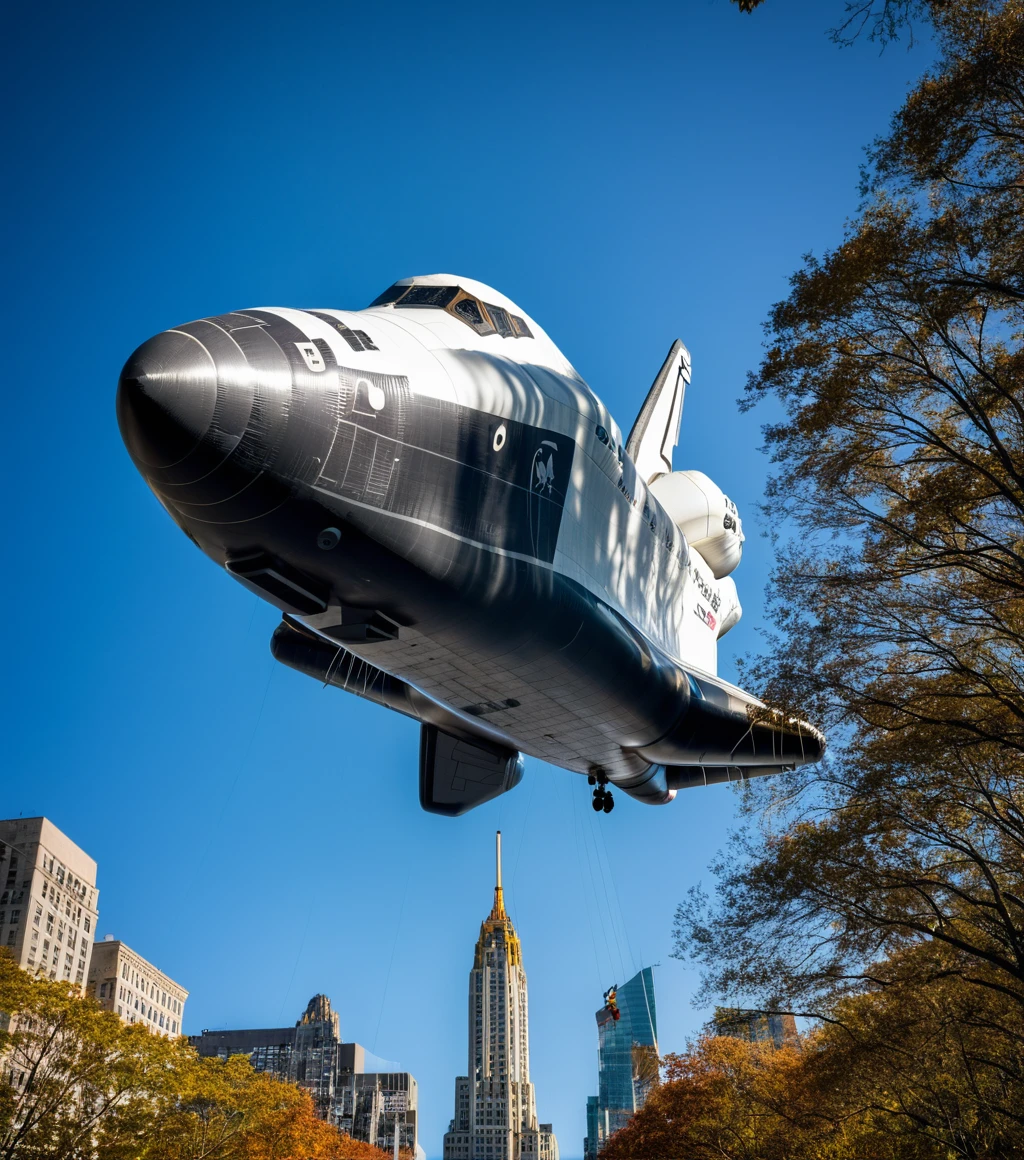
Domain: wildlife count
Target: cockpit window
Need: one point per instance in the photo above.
(429, 296)
(481, 316)
(472, 312)
(469, 311)
(501, 320)
(391, 294)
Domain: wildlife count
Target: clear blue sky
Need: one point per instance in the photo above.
(628, 174)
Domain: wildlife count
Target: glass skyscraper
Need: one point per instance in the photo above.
(627, 1050)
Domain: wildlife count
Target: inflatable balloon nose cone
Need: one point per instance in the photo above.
(166, 399)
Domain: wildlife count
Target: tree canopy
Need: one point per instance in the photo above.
(896, 868)
(727, 1099)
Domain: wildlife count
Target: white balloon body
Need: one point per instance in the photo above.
(705, 515)
(731, 609)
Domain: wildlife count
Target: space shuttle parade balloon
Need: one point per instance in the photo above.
(455, 528)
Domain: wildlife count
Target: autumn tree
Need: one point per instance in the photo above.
(72, 1072)
(78, 1084)
(718, 1099)
(830, 1097)
(727, 1099)
(224, 1109)
(897, 866)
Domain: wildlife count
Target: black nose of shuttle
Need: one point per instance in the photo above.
(166, 399)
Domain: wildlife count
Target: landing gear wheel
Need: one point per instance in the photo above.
(591, 780)
(603, 800)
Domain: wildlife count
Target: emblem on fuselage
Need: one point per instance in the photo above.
(544, 473)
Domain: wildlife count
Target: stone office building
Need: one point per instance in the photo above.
(365, 1104)
(48, 900)
(121, 980)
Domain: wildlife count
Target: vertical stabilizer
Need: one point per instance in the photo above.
(656, 430)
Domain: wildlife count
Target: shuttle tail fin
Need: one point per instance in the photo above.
(656, 430)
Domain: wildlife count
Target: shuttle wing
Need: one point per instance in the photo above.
(457, 774)
(656, 430)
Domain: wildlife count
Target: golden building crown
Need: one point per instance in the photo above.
(498, 920)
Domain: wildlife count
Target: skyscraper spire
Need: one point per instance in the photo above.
(499, 895)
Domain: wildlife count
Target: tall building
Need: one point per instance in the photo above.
(313, 1064)
(48, 902)
(367, 1107)
(365, 1104)
(627, 1054)
(495, 1112)
(121, 980)
(754, 1026)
